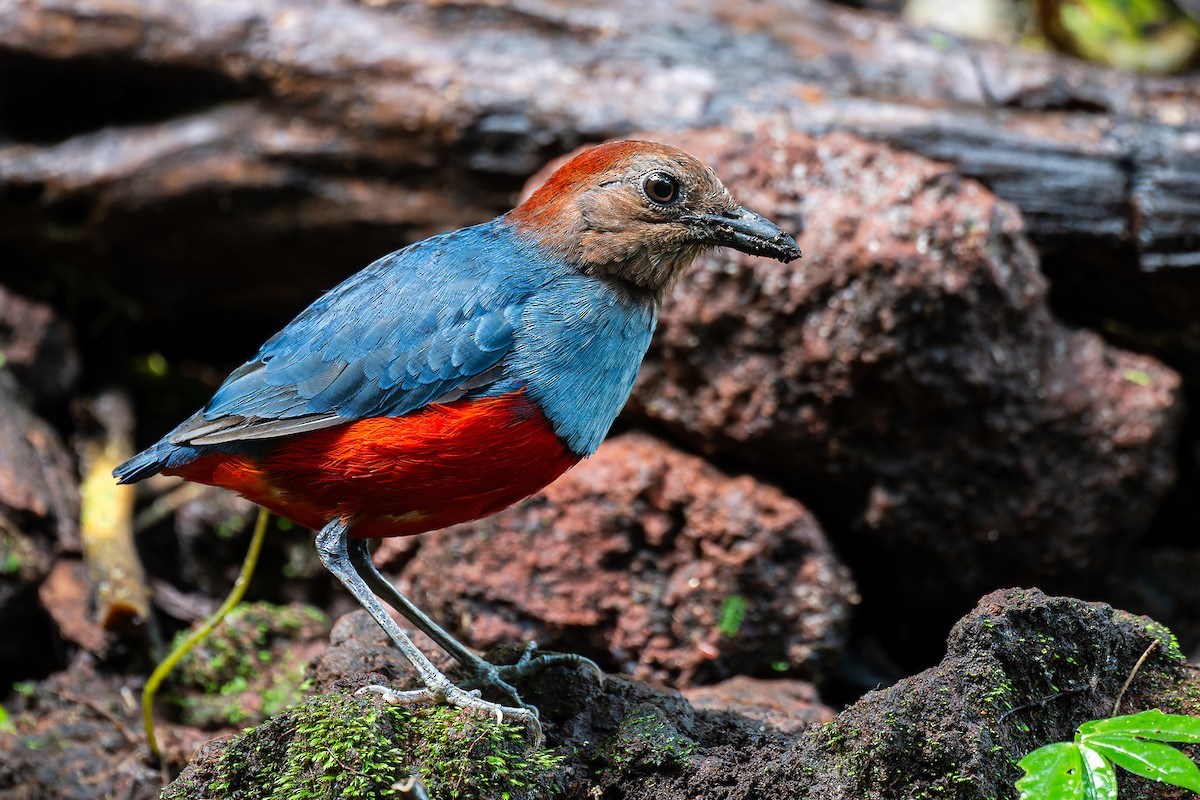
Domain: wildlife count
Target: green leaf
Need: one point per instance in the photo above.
(1159, 762)
(733, 613)
(1101, 780)
(1152, 724)
(1052, 771)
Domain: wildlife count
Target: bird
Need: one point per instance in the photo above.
(461, 374)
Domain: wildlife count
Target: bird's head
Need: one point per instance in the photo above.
(639, 213)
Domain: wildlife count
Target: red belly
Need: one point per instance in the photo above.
(397, 476)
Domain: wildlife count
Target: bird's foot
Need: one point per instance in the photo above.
(497, 676)
(455, 696)
(529, 664)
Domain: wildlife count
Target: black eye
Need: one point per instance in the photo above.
(661, 188)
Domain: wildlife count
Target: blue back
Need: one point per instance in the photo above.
(471, 313)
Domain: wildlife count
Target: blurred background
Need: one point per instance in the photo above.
(984, 373)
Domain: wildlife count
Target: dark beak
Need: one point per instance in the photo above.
(744, 230)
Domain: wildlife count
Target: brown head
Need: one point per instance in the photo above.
(639, 213)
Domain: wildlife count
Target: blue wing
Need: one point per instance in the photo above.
(430, 323)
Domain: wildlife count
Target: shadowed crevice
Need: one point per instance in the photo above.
(43, 101)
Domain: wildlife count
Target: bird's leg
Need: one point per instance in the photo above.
(483, 672)
(334, 550)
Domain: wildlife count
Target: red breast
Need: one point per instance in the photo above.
(398, 476)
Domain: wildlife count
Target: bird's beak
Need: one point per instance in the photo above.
(744, 230)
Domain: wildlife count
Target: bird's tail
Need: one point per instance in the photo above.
(146, 463)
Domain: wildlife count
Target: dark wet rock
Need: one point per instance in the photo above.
(653, 563)
(906, 379)
(1021, 670)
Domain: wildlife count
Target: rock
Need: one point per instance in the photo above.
(359, 646)
(788, 705)
(650, 561)
(906, 380)
(37, 347)
(66, 595)
(39, 492)
(1020, 671)
(39, 513)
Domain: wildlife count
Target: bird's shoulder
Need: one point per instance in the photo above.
(431, 322)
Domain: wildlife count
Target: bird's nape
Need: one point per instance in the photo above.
(639, 213)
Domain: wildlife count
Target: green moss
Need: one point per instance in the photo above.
(341, 745)
(241, 673)
(1165, 637)
(645, 739)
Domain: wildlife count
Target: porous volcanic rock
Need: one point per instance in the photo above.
(906, 380)
(650, 561)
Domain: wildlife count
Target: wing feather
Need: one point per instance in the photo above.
(432, 322)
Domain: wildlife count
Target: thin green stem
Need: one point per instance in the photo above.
(169, 663)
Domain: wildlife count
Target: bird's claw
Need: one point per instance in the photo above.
(463, 699)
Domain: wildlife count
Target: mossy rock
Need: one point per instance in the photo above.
(344, 745)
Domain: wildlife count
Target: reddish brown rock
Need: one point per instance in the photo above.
(39, 491)
(787, 705)
(66, 595)
(906, 380)
(651, 562)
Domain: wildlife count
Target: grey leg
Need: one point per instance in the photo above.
(334, 551)
(484, 673)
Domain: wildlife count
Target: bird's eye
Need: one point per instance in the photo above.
(661, 188)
